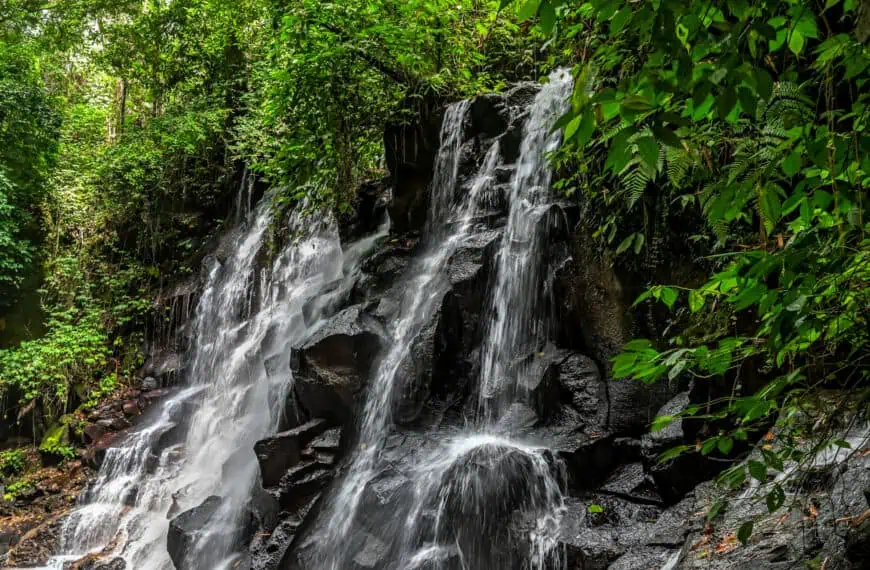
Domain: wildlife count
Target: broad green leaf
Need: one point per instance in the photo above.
(775, 498)
(744, 532)
(529, 10)
(619, 20)
(626, 243)
(725, 445)
(547, 14)
(668, 296)
(636, 104)
(758, 470)
(796, 42)
(696, 301)
(725, 102)
(649, 151)
(792, 163)
(638, 243)
(661, 422)
(595, 509)
(667, 136)
(717, 509)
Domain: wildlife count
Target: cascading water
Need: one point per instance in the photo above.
(246, 323)
(424, 290)
(479, 490)
(516, 327)
(479, 497)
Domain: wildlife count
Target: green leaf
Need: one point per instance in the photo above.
(772, 459)
(638, 243)
(758, 470)
(636, 104)
(764, 83)
(595, 509)
(792, 163)
(619, 20)
(529, 10)
(696, 301)
(725, 445)
(572, 126)
(717, 509)
(725, 102)
(649, 151)
(547, 14)
(626, 243)
(771, 209)
(586, 128)
(744, 532)
(807, 25)
(775, 499)
(667, 136)
(661, 422)
(668, 296)
(796, 42)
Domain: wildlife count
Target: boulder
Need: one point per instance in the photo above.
(334, 365)
(37, 545)
(301, 483)
(163, 369)
(369, 208)
(282, 451)
(147, 384)
(410, 150)
(371, 554)
(182, 541)
(93, 432)
(95, 454)
(676, 477)
(490, 115)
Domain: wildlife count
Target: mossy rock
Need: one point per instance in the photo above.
(55, 444)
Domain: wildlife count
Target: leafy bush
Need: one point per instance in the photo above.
(733, 136)
(12, 462)
(16, 488)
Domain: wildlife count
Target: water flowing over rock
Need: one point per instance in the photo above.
(428, 396)
(250, 317)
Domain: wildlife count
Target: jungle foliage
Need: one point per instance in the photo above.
(129, 126)
(727, 135)
(733, 135)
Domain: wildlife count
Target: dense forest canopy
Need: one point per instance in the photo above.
(727, 137)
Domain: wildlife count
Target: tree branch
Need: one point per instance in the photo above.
(397, 75)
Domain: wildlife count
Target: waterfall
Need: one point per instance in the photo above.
(424, 290)
(478, 495)
(248, 319)
(467, 489)
(516, 327)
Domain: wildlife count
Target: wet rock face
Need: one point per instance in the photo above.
(334, 365)
(36, 546)
(184, 529)
(284, 450)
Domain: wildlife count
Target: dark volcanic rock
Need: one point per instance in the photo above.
(37, 545)
(334, 365)
(410, 151)
(489, 115)
(279, 453)
(184, 530)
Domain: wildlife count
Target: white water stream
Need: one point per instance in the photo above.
(247, 320)
(480, 498)
(476, 477)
